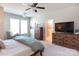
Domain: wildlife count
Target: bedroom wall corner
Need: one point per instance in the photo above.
(2, 23)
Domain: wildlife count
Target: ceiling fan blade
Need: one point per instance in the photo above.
(35, 4)
(27, 9)
(40, 7)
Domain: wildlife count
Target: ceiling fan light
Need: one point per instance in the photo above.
(35, 10)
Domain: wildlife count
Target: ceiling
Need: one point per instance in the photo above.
(19, 8)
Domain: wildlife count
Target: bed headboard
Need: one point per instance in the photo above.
(66, 40)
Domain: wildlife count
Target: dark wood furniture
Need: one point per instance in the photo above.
(66, 40)
(39, 51)
(39, 33)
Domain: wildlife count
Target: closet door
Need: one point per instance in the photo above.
(48, 30)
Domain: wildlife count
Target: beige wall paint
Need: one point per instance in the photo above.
(61, 15)
(10, 15)
(39, 18)
(66, 15)
(2, 22)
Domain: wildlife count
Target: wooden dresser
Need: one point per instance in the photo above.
(39, 33)
(66, 40)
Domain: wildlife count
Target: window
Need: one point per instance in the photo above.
(14, 26)
(24, 26)
(18, 26)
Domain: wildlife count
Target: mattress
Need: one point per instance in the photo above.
(15, 48)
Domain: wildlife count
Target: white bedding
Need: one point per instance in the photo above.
(14, 48)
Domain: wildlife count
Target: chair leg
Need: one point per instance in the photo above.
(41, 53)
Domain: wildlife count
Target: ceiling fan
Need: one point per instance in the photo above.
(34, 7)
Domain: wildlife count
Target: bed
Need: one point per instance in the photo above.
(21, 46)
(15, 48)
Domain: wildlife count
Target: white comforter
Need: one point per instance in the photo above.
(14, 48)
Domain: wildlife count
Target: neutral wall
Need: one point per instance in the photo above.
(66, 15)
(39, 19)
(2, 22)
(62, 15)
(7, 21)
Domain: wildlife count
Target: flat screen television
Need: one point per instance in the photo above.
(67, 27)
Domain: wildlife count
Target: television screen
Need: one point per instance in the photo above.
(64, 27)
